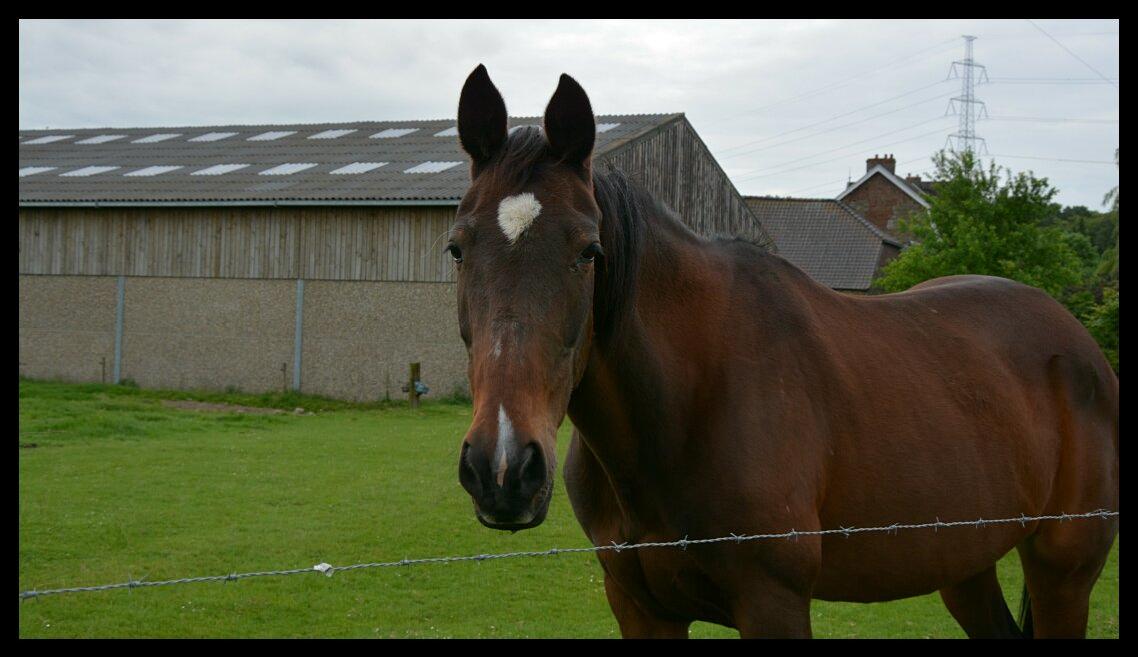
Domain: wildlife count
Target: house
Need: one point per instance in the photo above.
(883, 197)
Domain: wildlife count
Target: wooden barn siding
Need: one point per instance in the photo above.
(319, 243)
(676, 167)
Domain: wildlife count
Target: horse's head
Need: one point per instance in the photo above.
(525, 243)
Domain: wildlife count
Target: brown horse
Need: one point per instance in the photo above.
(715, 388)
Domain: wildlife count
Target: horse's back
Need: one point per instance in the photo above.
(975, 397)
(1014, 343)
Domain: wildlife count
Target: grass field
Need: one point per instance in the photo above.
(116, 484)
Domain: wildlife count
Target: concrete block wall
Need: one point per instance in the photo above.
(357, 337)
(67, 327)
(186, 333)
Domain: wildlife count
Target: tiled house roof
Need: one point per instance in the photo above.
(825, 238)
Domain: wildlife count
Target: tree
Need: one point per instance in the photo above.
(1102, 319)
(1109, 266)
(977, 224)
(1102, 322)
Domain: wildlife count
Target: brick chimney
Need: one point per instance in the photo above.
(886, 161)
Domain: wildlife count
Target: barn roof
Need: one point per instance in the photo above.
(825, 238)
(368, 163)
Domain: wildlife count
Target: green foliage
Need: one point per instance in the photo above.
(980, 222)
(1102, 321)
(1100, 228)
(977, 224)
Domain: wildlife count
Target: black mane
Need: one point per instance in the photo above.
(625, 207)
(524, 156)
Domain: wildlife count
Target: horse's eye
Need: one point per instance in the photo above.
(455, 253)
(590, 253)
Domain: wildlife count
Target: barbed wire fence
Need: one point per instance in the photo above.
(683, 543)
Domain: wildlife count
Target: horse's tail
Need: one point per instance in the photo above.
(1025, 614)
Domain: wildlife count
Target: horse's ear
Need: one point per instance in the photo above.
(569, 125)
(481, 118)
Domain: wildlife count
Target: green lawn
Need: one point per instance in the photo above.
(119, 486)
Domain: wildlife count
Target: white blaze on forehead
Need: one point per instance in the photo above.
(516, 213)
(505, 444)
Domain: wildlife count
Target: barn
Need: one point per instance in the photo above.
(275, 257)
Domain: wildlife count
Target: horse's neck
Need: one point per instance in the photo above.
(632, 402)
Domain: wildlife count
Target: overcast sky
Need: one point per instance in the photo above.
(789, 107)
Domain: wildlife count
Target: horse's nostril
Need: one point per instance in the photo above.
(532, 473)
(468, 474)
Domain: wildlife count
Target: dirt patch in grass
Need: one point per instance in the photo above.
(186, 405)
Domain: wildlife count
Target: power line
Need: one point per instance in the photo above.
(825, 184)
(1051, 80)
(839, 127)
(1039, 119)
(836, 182)
(1071, 53)
(860, 141)
(1054, 159)
(838, 116)
(845, 81)
(807, 166)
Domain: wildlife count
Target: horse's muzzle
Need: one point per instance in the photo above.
(517, 498)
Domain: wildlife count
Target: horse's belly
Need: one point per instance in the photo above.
(887, 566)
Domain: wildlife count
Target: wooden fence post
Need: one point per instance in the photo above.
(412, 393)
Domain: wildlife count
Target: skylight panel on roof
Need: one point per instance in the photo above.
(47, 139)
(213, 136)
(287, 169)
(269, 136)
(605, 127)
(153, 139)
(271, 186)
(218, 169)
(392, 133)
(332, 134)
(31, 171)
(88, 171)
(431, 167)
(101, 139)
(449, 132)
(153, 171)
(358, 167)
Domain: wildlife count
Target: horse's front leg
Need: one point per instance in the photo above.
(637, 623)
(773, 610)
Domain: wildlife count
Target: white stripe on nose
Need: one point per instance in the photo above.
(505, 444)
